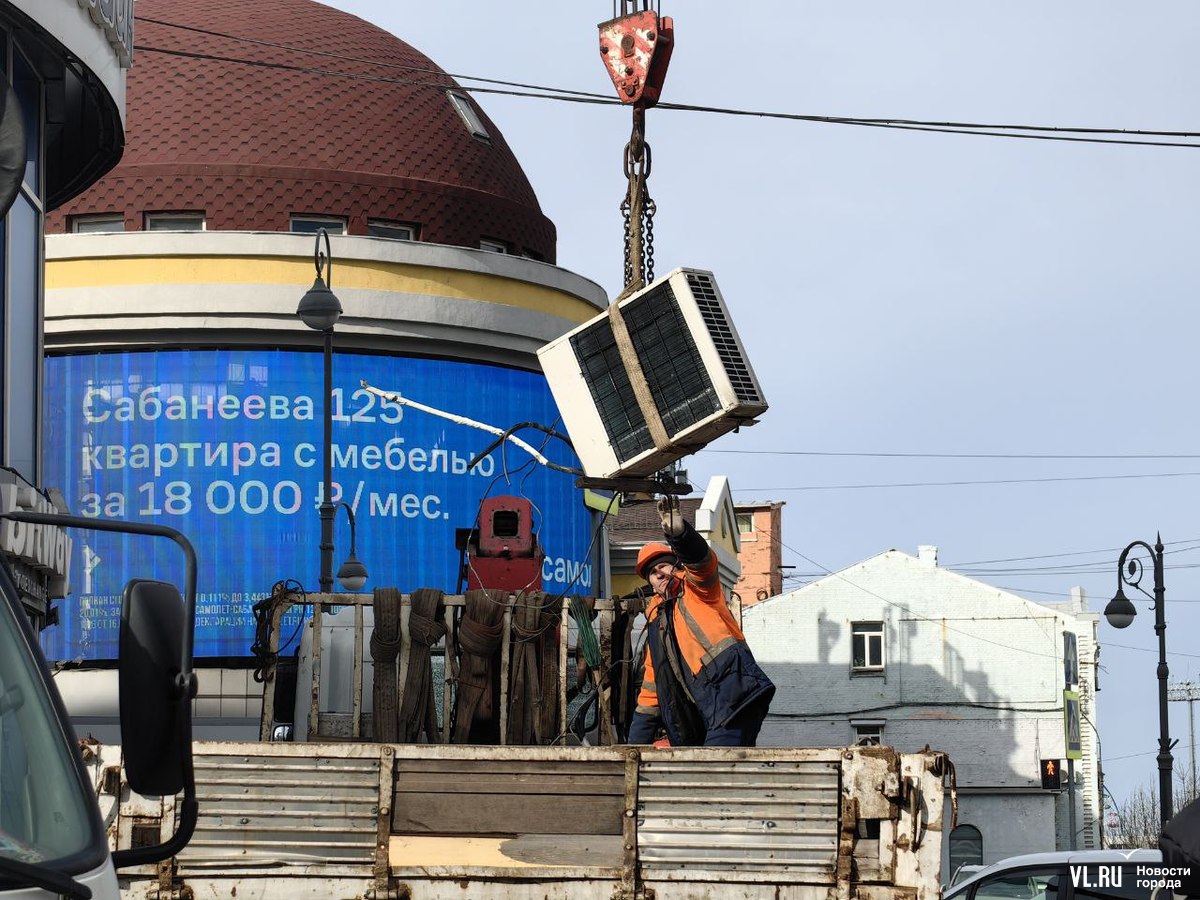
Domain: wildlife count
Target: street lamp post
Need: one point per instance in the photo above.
(320, 310)
(1120, 611)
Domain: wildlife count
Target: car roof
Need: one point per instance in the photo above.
(1056, 858)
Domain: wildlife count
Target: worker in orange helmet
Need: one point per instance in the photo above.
(701, 681)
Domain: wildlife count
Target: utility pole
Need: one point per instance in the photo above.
(1187, 692)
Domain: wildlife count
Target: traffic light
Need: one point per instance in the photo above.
(1051, 777)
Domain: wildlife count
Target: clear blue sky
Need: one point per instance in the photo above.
(905, 292)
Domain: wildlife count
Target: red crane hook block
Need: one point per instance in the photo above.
(636, 50)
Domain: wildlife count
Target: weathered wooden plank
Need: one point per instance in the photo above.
(505, 814)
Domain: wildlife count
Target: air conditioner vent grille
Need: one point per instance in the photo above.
(675, 373)
(719, 328)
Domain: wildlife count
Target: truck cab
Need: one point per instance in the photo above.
(53, 842)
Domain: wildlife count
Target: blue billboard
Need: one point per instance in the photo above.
(226, 446)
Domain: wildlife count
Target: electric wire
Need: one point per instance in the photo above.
(1072, 134)
(941, 623)
(829, 573)
(1048, 706)
(986, 562)
(329, 54)
(1150, 650)
(965, 482)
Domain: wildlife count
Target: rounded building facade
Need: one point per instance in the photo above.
(183, 388)
(62, 95)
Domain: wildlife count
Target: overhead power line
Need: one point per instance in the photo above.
(941, 623)
(1114, 550)
(1074, 134)
(962, 483)
(424, 70)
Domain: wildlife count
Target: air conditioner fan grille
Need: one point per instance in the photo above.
(723, 337)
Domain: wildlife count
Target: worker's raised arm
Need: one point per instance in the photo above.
(692, 550)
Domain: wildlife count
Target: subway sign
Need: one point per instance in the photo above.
(226, 446)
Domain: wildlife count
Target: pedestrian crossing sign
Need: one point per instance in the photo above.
(1072, 725)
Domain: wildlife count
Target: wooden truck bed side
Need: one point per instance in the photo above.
(363, 820)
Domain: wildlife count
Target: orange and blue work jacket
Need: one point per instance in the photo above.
(719, 672)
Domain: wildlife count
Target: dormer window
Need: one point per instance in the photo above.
(466, 111)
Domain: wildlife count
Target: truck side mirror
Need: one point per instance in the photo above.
(155, 720)
(156, 680)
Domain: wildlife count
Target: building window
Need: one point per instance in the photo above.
(867, 734)
(466, 111)
(397, 231)
(187, 221)
(966, 847)
(96, 224)
(493, 246)
(866, 646)
(313, 224)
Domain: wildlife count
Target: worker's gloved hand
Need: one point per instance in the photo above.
(672, 520)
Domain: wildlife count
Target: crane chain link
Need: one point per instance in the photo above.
(625, 214)
(638, 208)
(649, 208)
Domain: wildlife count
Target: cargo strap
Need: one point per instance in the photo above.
(533, 710)
(385, 646)
(479, 637)
(418, 715)
(633, 369)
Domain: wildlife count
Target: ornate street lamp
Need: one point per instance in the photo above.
(1120, 611)
(320, 309)
(352, 574)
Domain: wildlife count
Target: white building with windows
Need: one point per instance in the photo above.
(896, 650)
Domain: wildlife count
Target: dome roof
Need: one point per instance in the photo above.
(251, 113)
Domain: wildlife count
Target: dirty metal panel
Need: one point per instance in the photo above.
(749, 819)
(256, 805)
(871, 775)
(508, 796)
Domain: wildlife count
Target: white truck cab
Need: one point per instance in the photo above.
(52, 840)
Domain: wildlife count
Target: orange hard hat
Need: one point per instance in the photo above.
(651, 554)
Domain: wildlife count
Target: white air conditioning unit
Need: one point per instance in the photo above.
(694, 365)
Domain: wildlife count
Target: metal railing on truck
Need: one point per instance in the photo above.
(614, 670)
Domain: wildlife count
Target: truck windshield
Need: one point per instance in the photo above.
(44, 813)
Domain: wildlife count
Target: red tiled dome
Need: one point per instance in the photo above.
(307, 110)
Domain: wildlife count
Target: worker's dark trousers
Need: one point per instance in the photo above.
(742, 729)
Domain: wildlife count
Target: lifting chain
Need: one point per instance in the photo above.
(638, 208)
(628, 7)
